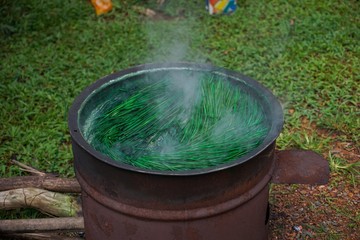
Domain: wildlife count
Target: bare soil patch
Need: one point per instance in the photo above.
(320, 212)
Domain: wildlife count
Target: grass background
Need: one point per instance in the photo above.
(306, 52)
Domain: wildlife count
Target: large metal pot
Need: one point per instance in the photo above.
(229, 201)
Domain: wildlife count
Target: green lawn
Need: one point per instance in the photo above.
(306, 52)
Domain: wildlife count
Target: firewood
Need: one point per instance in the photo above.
(41, 225)
(46, 181)
(56, 204)
(39, 236)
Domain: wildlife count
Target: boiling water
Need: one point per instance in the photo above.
(176, 122)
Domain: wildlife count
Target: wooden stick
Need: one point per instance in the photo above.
(39, 236)
(56, 204)
(67, 224)
(27, 168)
(48, 182)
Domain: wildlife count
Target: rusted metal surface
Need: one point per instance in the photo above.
(223, 204)
(246, 221)
(153, 191)
(300, 167)
(180, 212)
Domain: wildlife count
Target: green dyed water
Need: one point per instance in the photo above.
(176, 122)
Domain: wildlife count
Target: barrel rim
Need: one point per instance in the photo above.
(275, 129)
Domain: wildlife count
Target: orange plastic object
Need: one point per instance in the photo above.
(102, 6)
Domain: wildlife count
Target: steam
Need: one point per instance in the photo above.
(169, 41)
(188, 88)
(225, 125)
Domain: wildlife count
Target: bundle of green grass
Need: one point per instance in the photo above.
(177, 122)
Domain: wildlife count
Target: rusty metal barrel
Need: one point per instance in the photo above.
(120, 201)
